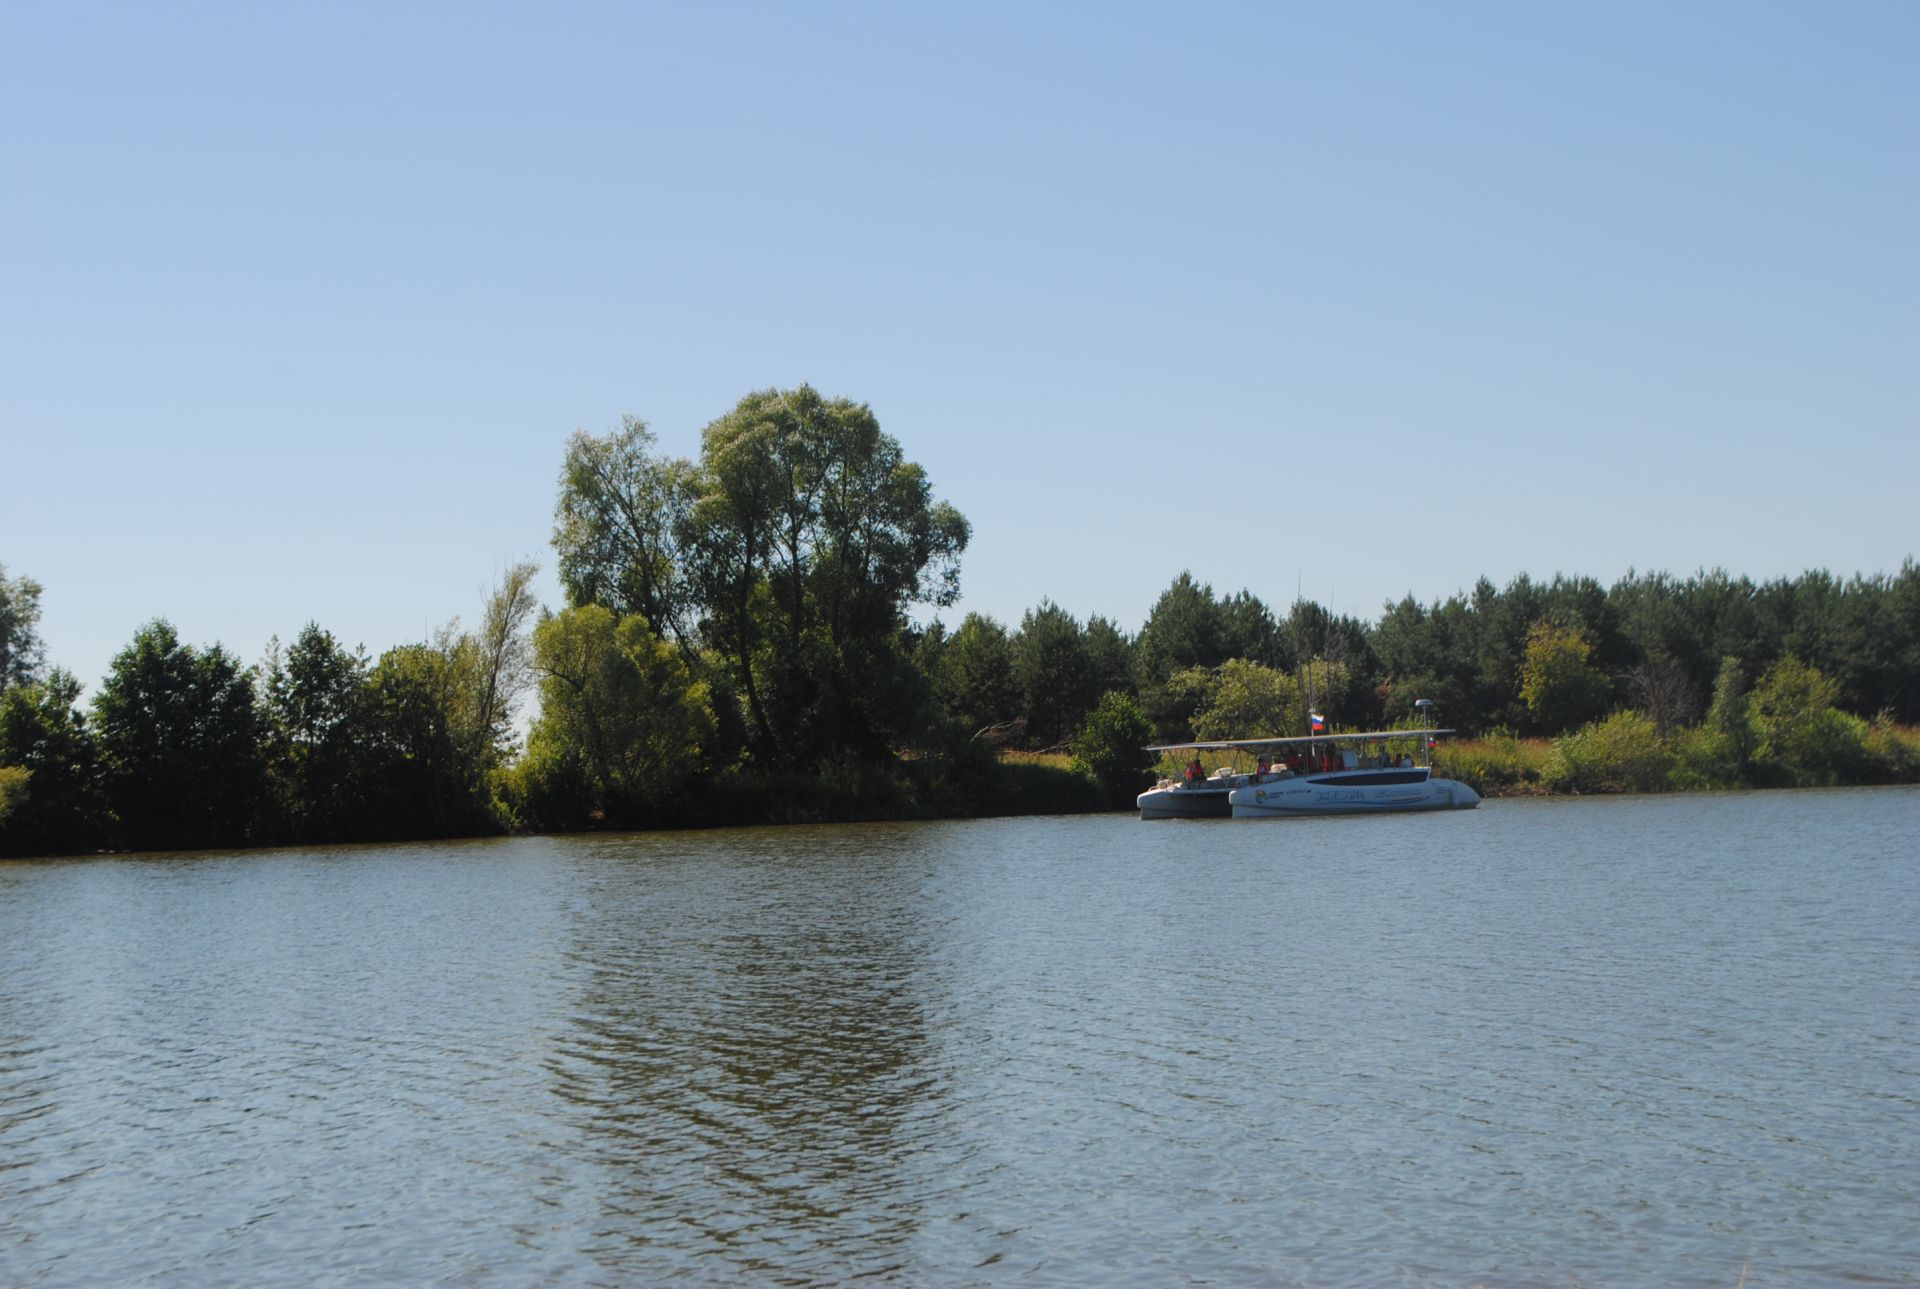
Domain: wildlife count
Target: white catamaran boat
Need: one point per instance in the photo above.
(1321, 774)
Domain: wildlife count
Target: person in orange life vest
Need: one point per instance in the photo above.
(1195, 772)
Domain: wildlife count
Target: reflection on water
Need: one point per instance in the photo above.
(1584, 1042)
(757, 1028)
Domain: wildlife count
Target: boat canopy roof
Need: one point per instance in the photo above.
(1252, 744)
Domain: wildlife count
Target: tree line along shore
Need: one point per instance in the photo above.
(738, 644)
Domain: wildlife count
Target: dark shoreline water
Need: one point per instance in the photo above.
(1491, 792)
(1598, 1041)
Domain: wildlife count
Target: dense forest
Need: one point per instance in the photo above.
(740, 643)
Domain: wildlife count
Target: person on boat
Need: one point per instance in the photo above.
(1195, 771)
(1265, 765)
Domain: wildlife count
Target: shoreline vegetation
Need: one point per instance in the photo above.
(739, 645)
(1618, 759)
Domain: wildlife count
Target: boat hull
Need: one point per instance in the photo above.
(1295, 797)
(1185, 803)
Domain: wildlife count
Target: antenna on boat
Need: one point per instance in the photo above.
(1426, 718)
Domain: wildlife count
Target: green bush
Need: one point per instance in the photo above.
(547, 790)
(1826, 747)
(1803, 739)
(1704, 757)
(1622, 753)
(1036, 786)
(1110, 748)
(1557, 682)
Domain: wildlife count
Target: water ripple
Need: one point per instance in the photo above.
(1588, 1042)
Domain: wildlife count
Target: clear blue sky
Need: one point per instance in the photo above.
(298, 304)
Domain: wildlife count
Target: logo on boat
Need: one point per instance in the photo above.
(1261, 794)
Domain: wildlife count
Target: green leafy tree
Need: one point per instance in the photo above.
(1110, 657)
(811, 535)
(930, 649)
(623, 725)
(311, 692)
(1415, 647)
(472, 681)
(1866, 644)
(1717, 753)
(21, 652)
(1730, 719)
(44, 735)
(1332, 658)
(1175, 704)
(1902, 698)
(405, 747)
(1325, 685)
(1722, 611)
(1801, 732)
(1053, 674)
(1248, 630)
(1582, 603)
(1673, 665)
(180, 743)
(1310, 631)
(1560, 688)
(420, 780)
(1785, 701)
(501, 666)
(1496, 643)
(1191, 631)
(1184, 629)
(619, 523)
(1111, 747)
(975, 677)
(1248, 700)
(314, 717)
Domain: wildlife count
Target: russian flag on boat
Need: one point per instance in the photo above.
(1319, 723)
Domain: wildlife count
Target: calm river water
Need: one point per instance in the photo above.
(1573, 1042)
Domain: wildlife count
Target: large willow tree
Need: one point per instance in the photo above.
(786, 557)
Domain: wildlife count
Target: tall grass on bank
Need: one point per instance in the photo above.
(1498, 765)
(1625, 753)
(1894, 751)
